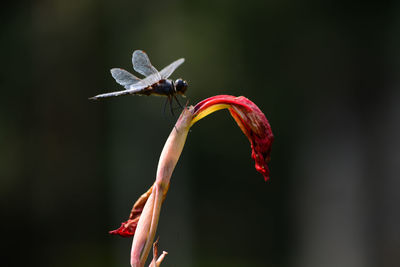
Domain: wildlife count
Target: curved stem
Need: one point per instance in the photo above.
(147, 225)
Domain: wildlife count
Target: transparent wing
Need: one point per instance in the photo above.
(124, 78)
(141, 63)
(149, 80)
(137, 87)
(168, 70)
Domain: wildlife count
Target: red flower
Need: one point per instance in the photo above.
(250, 119)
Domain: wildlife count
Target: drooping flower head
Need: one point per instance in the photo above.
(251, 121)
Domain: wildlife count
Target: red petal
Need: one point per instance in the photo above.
(127, 229)
(252, 122)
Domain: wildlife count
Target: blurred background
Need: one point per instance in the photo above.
(325, 73)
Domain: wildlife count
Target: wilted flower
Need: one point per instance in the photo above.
(250, 119)
(143, 220)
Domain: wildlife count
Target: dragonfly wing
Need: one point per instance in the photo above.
(149, 80)
(141, 64)
(137, 87)
(117, 93)
(168, 70)
(124, 78)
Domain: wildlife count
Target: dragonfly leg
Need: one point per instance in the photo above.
(170, 105)
(178, 101)
(165, 104)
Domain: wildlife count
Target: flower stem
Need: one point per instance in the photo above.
(147, 225)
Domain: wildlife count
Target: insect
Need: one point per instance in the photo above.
(154, 83)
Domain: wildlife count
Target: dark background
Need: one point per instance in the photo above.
(325, 73)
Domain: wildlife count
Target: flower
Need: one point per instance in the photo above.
(251, 121)
(143, 219)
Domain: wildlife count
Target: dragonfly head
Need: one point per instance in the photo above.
(181, 86)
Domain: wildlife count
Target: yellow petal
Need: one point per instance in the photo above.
(208, 111)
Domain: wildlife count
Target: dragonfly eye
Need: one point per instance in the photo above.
(181, 86)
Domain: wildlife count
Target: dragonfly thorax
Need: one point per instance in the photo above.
(163, 87)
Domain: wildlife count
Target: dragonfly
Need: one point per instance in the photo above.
(154, 83)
